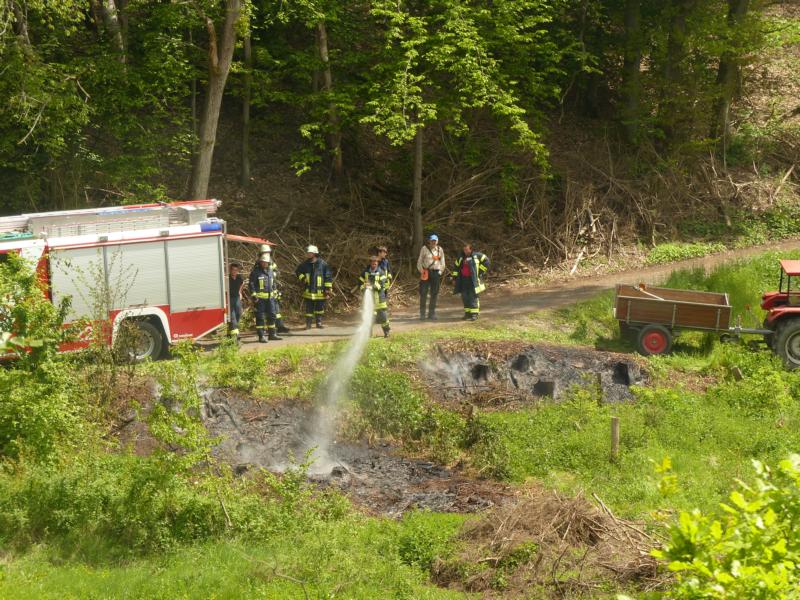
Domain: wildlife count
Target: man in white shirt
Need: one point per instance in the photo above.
(430, 265)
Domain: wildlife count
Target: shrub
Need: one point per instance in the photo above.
(748, 549)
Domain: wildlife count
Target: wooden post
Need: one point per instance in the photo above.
(614, 439)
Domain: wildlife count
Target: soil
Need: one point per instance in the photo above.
(501, 374)
(379, 479)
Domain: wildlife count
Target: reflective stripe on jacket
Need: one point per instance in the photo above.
(316, 277)
(263, 283)
(478, 265)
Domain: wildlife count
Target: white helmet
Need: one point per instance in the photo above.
(265, 256)
(313, 249)
(264, 249)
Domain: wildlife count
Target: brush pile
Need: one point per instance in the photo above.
(556, 545)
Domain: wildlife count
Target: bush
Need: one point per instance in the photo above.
(748, 549)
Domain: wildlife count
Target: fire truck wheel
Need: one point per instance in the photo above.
(654, 339)
(787, 342)
(147, 341)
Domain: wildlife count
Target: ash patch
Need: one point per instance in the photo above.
(529, 374)
(376, 478)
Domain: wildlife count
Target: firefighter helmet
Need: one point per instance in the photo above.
(313, 249)
(265, 256)
(264, 249)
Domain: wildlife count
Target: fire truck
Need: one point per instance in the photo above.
(158, 268)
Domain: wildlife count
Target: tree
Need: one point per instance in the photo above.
(438, 64)
(728, 74)
(221, 44)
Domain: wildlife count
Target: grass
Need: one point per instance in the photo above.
(356, 558)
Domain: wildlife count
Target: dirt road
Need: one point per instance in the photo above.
(504, 304)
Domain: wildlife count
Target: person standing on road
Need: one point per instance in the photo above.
(316, 276)
(279, 325)
(470, 274)
(235, 292)
(382, 253)
(430, 265)
(263, 286)
(376, 278)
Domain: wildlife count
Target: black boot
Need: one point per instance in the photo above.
(261, 338)
(281, 328)
(386, 331)
(274, 337)
(319, 324)
(473, 317)
(308, 323)
(432, 316)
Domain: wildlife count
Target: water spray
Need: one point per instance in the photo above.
(335, 386)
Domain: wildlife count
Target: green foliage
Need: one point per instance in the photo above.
(675, 251)
(425, 537)
(749, 548)
(41, 406)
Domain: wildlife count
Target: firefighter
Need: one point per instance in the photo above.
(262, 290)
(316, 276)
(376, 278)
(431, 267)
(278, 295)
(470, 274)
(235, 293)
(382, 252)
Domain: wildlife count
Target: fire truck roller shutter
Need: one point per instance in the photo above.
(73, 273)
(137, 274)
(195, 273)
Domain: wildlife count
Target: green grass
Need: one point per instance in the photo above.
(710, 438)
(357, 558)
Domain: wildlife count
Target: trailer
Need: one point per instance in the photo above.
(651, 317)
(158, 268)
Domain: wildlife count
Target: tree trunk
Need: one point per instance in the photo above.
(631, 76)
(335, 134)
(244, 179)
(111, 20)
(21, 25)
(673, 93)
(728, 75)
(220, 56)
(416, 203)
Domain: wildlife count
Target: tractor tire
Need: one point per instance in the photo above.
(143, 341)
(787, 342)
(654, 340)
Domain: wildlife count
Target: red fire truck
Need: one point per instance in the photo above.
(157, 267)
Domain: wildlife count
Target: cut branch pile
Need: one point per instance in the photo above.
(555, 545)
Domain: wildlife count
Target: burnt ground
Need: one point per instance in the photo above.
(508, 374)
(377, 478)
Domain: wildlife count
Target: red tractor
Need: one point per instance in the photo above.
(783, 316)
(652, 317)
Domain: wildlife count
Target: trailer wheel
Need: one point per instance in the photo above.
(142, 341)
(787, 342)
(654, 339)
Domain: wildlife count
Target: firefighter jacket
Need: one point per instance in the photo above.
(478, 265)
(386, 266)
(378, 281)
(316, 277)
(263, 283)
